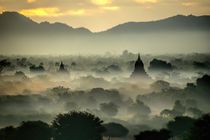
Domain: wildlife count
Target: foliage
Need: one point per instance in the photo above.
(77, 126)
(163, 134)
(180, 126)
(200, 129)
(8, 133)
(115, 130)
(34, 130)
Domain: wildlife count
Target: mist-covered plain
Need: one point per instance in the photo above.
(39, 88)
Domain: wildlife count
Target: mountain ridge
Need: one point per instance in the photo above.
(16, 22)
(180, 22)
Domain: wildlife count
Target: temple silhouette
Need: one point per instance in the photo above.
(139, 71)
(62, 68)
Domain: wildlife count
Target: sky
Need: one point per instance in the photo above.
(99, 15)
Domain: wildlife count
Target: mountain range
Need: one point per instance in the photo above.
(13, 22)
(178, 34)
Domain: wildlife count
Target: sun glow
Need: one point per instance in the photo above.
(41, 12)
(112, 8)
(188, 3)
(78, 12)
(31, 1)
(146, 1)
(101, 2)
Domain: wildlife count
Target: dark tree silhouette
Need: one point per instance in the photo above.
(8, 133)
(4, 63)
(180, 126)
(203, 84)
(34, 130)
(163, 134)
(35, 68)
(160, 65)
(78, 126)
(115, 130)
(200, 129)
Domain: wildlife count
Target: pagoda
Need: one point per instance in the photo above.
(62, 68)
(139, 71)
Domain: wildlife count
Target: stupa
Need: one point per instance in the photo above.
(139, 71)
(62, 68)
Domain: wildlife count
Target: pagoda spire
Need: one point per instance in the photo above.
(139, 70)
(62, 67)
(139, 57)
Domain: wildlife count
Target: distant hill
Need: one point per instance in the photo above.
(13, 22)
(174, 23)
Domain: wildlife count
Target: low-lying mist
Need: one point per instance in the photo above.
(40, 87)
(153, 42)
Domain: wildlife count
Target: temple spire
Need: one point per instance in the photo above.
(62, 67)
(139, 70)
(139, 57)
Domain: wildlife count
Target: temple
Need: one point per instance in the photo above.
(139, 71)
(62, 68)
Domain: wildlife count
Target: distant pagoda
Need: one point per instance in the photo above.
(62, 68)
(139, 71)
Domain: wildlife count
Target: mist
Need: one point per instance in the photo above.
(34, 88)
(147, 43)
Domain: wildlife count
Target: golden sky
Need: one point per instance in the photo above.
(98, 15)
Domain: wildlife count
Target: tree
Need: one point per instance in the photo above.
(180, 126)
(4, 63)
(203, 84)
(35, 68)
(115, 130)
(163, 134)
(160, 65)
(34, 130)
(200, 129)
(77, 126)
(8, 133)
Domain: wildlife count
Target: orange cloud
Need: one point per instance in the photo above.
(146, 1)
(101, 2)
(31, 1)
(188, 3)
(112, 8)
(1, 8)
(53, 11)
(79, 12)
